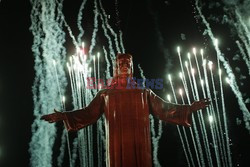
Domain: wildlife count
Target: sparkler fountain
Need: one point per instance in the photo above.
(213, 131)
(207, 143)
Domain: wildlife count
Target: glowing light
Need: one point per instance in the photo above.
(210, 118)
(178, 49)
(169, 77)
(54, 62)
(169, 98)
(68, 66)
(78, 51)
(216, 42)
(180, 75)
(192, 71)
(210, 65)
(186, 63)
(79, 84)
(194, 51)
(202, 82)
(188, 54)
(204, 62)
(94, 57)
(220, 71)
(227, 80)
(180, 92)
(98, 55)
(201, 51)
(63, 99)
(84, 58)
(83, 50)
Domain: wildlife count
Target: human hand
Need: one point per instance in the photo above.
(198, 105)
(54, 117)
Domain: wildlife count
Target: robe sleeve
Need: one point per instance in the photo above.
(81, 118)
(169, 112)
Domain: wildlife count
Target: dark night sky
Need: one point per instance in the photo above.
(152, 30)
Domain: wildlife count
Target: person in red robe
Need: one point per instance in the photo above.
(127, 116)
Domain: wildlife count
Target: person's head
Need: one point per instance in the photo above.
(123, 65)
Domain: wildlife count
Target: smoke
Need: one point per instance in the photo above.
(74, 151)
(47, 46)
(47, 28)
(47, 24)
(62, 149)
(231, 2)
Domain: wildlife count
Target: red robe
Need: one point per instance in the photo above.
(127, 122)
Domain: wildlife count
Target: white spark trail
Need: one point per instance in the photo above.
(62, 149)
(62, 100)
(74, 151)
(243, 31)
(119, 29)
(103, 17)
(244, 56)
(110, 28)
(60, 13)
(47, 45)
(228, 152)
(108, 63)
(200, 117)
(93, 39)
(194, 124)
(142, 74)
(229, 71)
(200, 114)
(184, 145)
(180, 59)
(189, 76)
(79, 23)
(218, 126)
(210, 111)
(121, 41)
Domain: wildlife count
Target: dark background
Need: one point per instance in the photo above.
(152, 30)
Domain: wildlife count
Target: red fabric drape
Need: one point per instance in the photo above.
(127, 122)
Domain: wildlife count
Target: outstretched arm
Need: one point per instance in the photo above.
(174, 113)
(54, 117)
(81, 118)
